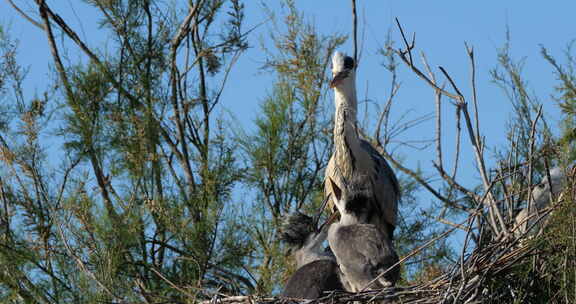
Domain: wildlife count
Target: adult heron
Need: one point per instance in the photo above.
(317, 271)
(354, 155)
(364, 253)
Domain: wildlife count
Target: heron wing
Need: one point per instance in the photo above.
(385, 183)
(335, 176)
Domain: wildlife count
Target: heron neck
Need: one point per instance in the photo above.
(345, 97)
(346, 103)
(348, 219)
(345, 133)
(312, 250)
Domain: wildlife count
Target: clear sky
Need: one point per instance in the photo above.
(441, 29)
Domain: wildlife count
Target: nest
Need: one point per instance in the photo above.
(468, 281)
(520, 267)
(464, 284)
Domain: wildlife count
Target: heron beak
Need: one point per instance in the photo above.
(338, 78)
(330, 219)
(322, 207)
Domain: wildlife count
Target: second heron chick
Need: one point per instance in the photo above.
(363, 252)
(317, 271)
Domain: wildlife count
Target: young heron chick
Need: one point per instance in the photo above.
(317, 271)
(362, 251)
(354, 156)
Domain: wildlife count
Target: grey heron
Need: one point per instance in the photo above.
(362, 251)
(317, 270)
(541, 196)
(354, 155)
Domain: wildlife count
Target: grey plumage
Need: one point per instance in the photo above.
(317, 271)
(541, 196)
(353, 155)
(362, 251)
(304, 242)
(312, 280)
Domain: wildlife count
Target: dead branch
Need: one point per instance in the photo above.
(355, 31)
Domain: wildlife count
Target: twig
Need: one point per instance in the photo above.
(463, 253)
(470, 52)
(530, 158)
(458, 137)
(21, 12)
(383, 119)
(408, 61)
(411, 173)
(409, 47)
(355, 32)
(460, 97)
(172, 283)
(454, 184)
(506, 193)
(438, 102)
(494, 212)
(455, 225)
(411, 254)
(79, 261)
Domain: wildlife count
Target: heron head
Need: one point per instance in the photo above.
(342, 68)
(296, 230)
(541, 193)
(357, 199)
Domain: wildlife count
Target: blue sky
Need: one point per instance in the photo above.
(441, 29)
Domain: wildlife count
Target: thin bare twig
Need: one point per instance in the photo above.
(402, 54)
(470, 52)
(494, 211)
(21, 12)
(412, 174)
(411, 254)
(455, 225)
(438, 103)
(355, 32)
(458, 141)
(497, 225)
(425, 245)
(172, 283)
(460, 97)
(78, 260)
(531, 158)
(409, 47)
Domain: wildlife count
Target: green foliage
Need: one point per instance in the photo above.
(566, 89)
(120, 184)
(286, 154)
(419, 225)
(508, 75)
(548, 275)
(137, 209)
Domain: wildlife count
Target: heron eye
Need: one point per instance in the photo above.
(348, 62)
(541, 186)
